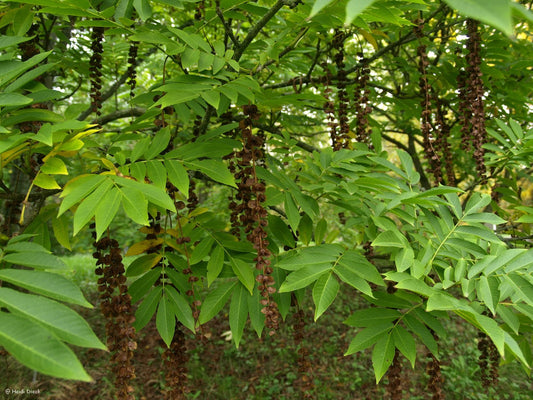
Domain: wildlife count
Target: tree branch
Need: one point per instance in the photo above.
(19, 197)
(131, 112)
(227, 27)
(286, 50)
(111, 91)
(257, 28)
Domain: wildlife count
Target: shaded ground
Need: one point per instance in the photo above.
(267, 368)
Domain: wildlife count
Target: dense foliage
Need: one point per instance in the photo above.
(254, 153)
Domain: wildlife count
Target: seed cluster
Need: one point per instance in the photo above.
(488, 360)
(95, 68)
(443, 130)
(435, 376)
(132, 63)
(305, 368)
(342, 139)
(115, 303)
(471, 107)
(429, 140)
(362, 105)
(183, 241)
(329, 108)
(394, 374)
(251, 215)
(176, 359)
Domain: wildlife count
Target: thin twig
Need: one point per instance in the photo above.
(257, 28)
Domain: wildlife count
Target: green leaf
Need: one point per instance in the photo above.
(488, 292)
(178, 176)
(358, 264)
(416, 286)
(87, 208)
(157, 173)
(513, 346)
(477, 201)
(257, 318)
(325, 254)
(177, 97)
(45, 181)
(13, 99)
(24, 246)
(211, 97)
(143, 8)
(36, 259)
(135, 205)
(153, 194)
(201, 250)
(159, 143)
(147, 308)
(54, 166)
(238, 313)
(77, 189)
(215, 264)
(143, 263)
(37, 348)
(304, 277)
(405, 343)
(372, 316)
(60, 228)
(522, 286)
(7, 41)
(244, 272)
(165, 320)
(423, 333)
(140, 148)
(404, 259)
(142, 285)
(216, 170)
(382, 355)
(281, 231)
(509, 317)
(106, 211)
(319, 5)
(354, 8)
(56, 317)
(349, 276)
(389, 239)
(367, 337)
(182, 308)
(293, 215)
(493, 12)
(491, 328)
(48, 284)
(478, 231)
(484, 218)
(320, 231)
(215, 300)
(324, 292)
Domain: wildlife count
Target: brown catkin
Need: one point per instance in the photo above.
(175, 365)
(394, 375)
(115, 303)
(430, 141)
(342, 139)
(361, 101)
(434, 374)
(95, 69)
(475, 92)
(305, 368)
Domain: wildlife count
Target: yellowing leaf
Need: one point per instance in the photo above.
(45, 181)
(54, 166)
(141, 247)
(369, 38)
